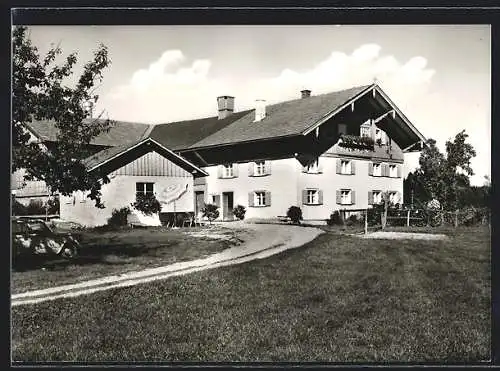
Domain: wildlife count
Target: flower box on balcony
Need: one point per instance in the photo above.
(356, 142)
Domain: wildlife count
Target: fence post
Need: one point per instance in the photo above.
(408, 218)
(366, 221)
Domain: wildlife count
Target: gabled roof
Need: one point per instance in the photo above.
(183, 134)
(115, 157)
(121, 132)
(282, 119)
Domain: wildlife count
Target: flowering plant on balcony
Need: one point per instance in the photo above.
(356, 142)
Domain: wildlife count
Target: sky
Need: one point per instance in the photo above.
(438, 75)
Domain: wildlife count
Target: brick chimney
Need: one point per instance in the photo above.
(225, 105)
(260, 109)
(305, 93)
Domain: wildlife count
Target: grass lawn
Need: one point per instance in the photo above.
(337, 299)
(105, 253)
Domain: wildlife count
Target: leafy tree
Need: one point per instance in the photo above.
(444, 177)
(40, 91)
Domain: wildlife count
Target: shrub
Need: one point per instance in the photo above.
(295, 214)
(119, 217)
(147, 203)
(211, 212)
(335, 219)
(239, 212)
(353, 220)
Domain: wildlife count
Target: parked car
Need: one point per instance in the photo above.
(35, 237)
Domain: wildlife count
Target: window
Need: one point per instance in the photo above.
(365, 131)
(345, 167)
(345, 196)
(393, 171)
(312, 196)
(377, 170)
(393, 197)
(260, 198)
(342, 128)
(380, 136)
(313, 167)
(377, 197)
(144, 188)
(260, 168)
(227, 171)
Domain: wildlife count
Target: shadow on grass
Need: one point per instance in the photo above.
(91, 255)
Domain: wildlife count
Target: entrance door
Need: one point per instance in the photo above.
(227, 206)
(200, 202)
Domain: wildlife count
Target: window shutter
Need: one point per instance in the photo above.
(353, 197)
(304, 197)
(268, 199)
(235, 170)
(399, 171)
(320, 166)
(219, 171)
(385, 170)
(339, 199)
(353, 167)
(399, 199)
(250, 199)
(370, 168)
(338, 166)
(370, 197)
(320, 197)
(250, 169)
(268, 167)
(217, 200)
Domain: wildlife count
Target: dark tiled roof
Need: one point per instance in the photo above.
(121, 132)
(282, 119)
(182, 134)
(108, 153)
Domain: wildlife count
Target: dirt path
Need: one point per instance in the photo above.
(270, 239)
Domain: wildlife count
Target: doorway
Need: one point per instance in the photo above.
(227, 206)
(199, 203)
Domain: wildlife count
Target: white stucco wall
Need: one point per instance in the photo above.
(287, 181)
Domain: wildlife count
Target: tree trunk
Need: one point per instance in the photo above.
(456, 218)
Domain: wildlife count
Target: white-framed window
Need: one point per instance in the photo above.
(259, 198)
(227, 171)
(144, 188)
(313, 167)
(259, 168)
(345, 196)
(345, 167)
(342, 128)
(312, 196)
(393, 171)
(393, 197)
(377, 170)
(365, 131)
(377, 197)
